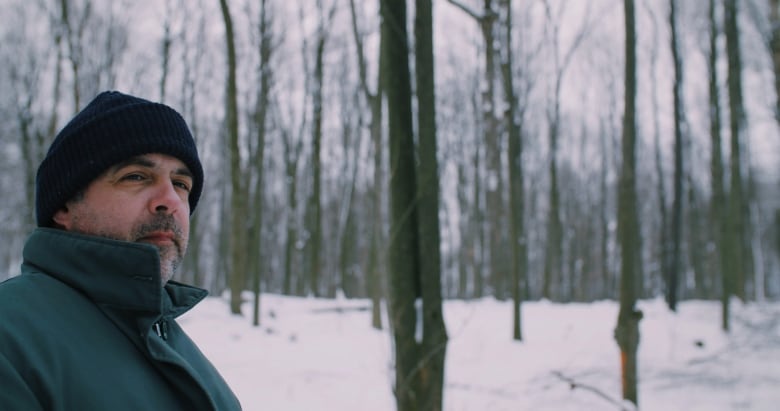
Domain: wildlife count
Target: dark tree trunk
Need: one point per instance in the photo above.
(627, 330)
(317, 266)
(433, 347)
(737, 222)
(774, 50)
(403, 259)
(237, 212)
(718, 216)
(375, 260)
(490, 249)
(292, 154)
(378, 237)
(415, 303)
(673, 280)
(512, 118)
(254, 250)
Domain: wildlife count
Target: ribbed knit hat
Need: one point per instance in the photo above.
(112, 128)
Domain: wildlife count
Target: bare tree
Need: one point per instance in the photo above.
(325, 17)
(433, 347)
(377, 235)
(192, 52)
(347, 231)
(737, 237)
(415, 284)
(293, 146)
(553, 266)
(627, 330)
(718, 202)
(663, 242)
(672, 281)
(513, 118)
(166, 48)
(237, 212)
(257, 153)
(494, 207)
(774, 49)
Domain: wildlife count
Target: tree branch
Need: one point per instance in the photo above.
(466, 10)
(573, 384)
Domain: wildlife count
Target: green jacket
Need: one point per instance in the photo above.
(86, 326)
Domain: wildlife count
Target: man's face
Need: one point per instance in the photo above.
(143, 199)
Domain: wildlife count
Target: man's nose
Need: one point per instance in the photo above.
(165, 198)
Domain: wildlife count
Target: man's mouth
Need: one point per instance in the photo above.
(159, 238)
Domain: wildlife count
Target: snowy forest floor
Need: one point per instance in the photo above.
(318, 354)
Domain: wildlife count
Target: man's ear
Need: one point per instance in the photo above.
(61, 218)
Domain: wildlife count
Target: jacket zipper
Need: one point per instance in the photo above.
(161, 328)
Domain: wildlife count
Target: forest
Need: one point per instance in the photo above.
(564, 150)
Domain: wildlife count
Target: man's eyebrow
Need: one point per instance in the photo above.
(184, 171)
(133, 161)
(144, 161)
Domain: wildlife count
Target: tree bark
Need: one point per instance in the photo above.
(673, 280)
(375, 260)
(237, 243)
(513, 119)
(292, 154)
(737, 231)
(419, 335)
(627, 330)
(317, 262)
(403, 259)
(774, 50)
(433, 347)
(254, 249)
(494, 260)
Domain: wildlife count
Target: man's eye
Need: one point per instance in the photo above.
(133, 177)
(182, 185)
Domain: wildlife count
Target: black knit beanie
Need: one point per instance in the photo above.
(112, 128)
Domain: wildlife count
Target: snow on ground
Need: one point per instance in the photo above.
(317, 354)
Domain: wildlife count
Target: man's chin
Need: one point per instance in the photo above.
(169, 265)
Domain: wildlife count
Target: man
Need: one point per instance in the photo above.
(89, 324)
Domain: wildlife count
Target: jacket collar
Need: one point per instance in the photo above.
(113, 273)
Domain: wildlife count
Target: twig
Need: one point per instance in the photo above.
(339, 310)
(573, 384)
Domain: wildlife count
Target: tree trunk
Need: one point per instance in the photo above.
(627, 330)
(554, 247)
(737, 229)
(403, 260)
(191, 54)
(494, 187)
(237, 243)
(433, 348)
(554, 273)
(718, 216)
(477, 231)
(607, 275)
(419, 335)
(664, 241)
(774, 50)
(347, 230)
(292, 155)
(512, 118)
(673, 280)
(375, 261)
(254, 250)
(74, 50)
(166, 49)
(317, 264)
(493, 230)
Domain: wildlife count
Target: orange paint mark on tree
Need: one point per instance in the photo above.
(623, 368)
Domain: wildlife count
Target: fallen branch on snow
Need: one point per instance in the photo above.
(340, 309)
(573, 384)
